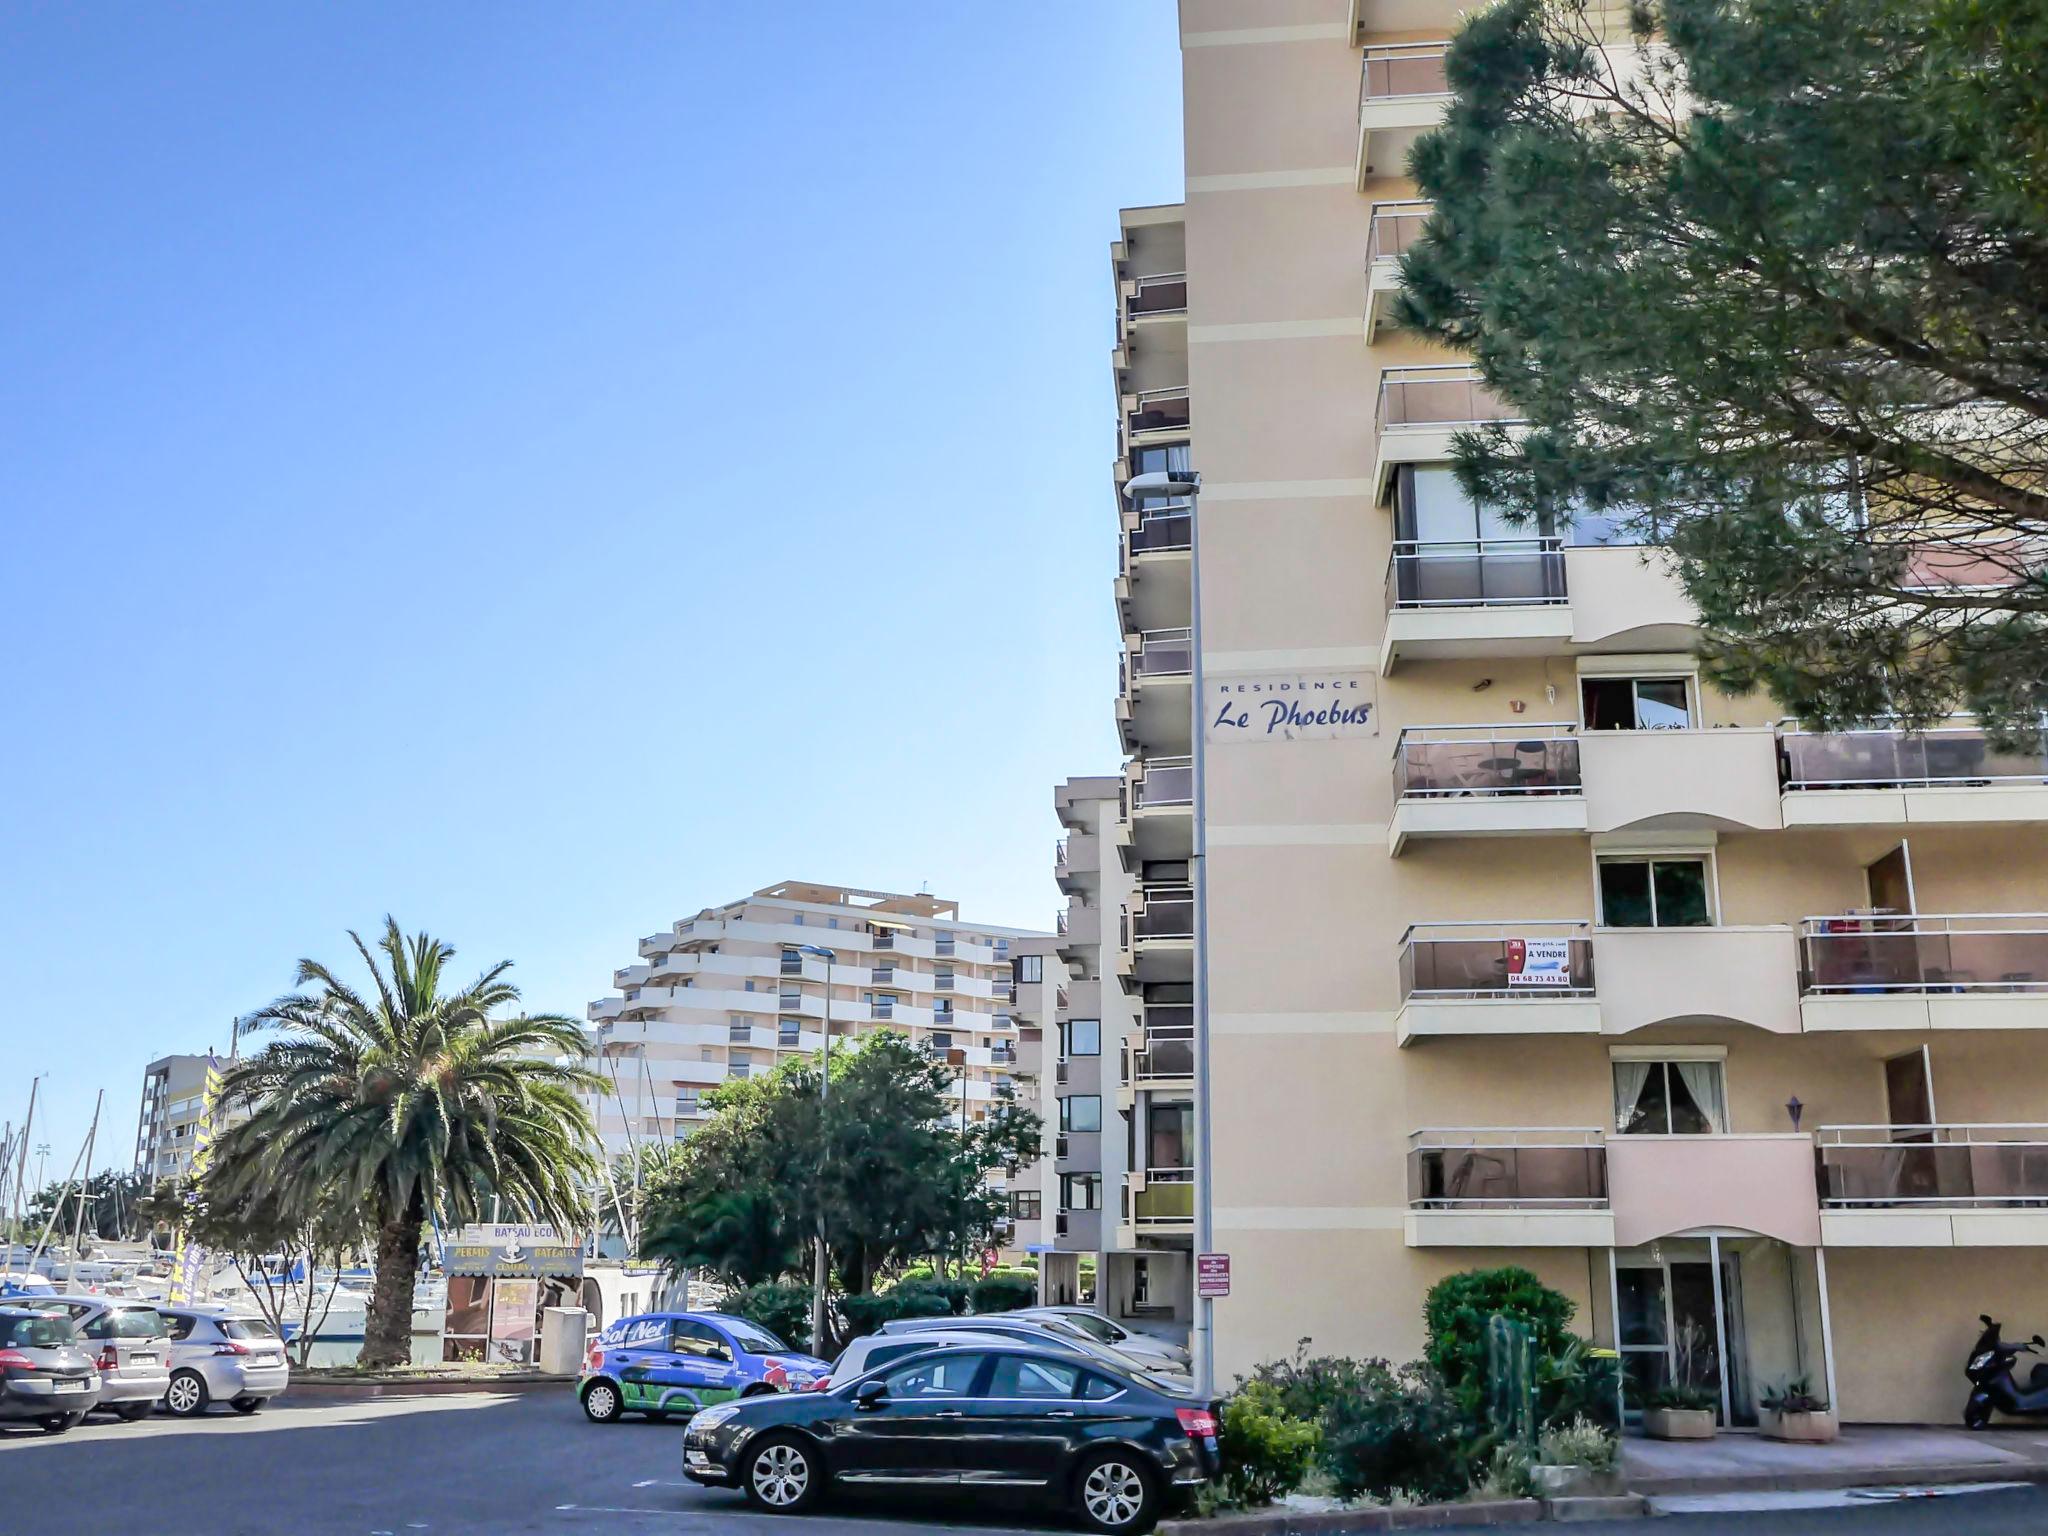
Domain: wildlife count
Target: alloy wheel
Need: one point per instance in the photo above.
(1113, 1494)
(185, 1395)
(781, 1474)
(601, 1402)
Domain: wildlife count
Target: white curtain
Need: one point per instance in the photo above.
(1629, 1078)
(1702, 1080)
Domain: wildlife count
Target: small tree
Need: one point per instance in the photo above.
(276, 1247)
(1456, 1314)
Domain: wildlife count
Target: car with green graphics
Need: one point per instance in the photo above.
(673, 1363)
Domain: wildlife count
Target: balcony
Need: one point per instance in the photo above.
(1161, 1201)
(1152, 584)
(1162, 932)
(1659, 1185)
(1421, 409)
(1164, 1064)
(1933, 1186)
(1162, 805)
(1729, 975)
(1079, 927)
(1077, 862)
(1475, 597)
(1977, 970)
(1156, 707)
(1486, 781)
(1953, 775)
(1394, 227)
(1155, 415)
(1402, 94)
(1159, 295)
(1532, 977)
(1508, 1188)
(1723, 779)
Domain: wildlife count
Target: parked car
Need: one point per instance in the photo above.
(217, 1357)
(129, 1344)
(1042, 1330)
(872, 1351)
(1004, 1421)
(660, 1363)
(45, 1374)
(1107, 1330)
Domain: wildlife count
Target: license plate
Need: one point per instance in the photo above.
(142, 1359)
(68, 1386)
(696, 1458)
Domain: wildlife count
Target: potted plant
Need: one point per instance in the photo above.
(1683, 1408)
(1793, 1412)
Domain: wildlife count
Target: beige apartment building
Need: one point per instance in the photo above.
(731, 991)
(167, 1127)
(1524, 945)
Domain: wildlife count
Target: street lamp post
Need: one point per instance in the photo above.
(1188, 483)
(819, 1265)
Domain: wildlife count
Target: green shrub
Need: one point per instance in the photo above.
(780, 1306)
(1580, 1383)
(1003, 1293)
(1455, 1315)
(1267, 1451)
(1308, 1385)
(932, 1298)
(1506, 1475)
(865, 1314)
(1398, 1432)
(912, 1274)
(1581, 1443)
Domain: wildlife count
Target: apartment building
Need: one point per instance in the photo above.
(1033, 997)
(730, 992)
(1524, 944)
(167, 1129)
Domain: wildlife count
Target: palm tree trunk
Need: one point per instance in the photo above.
(387, 1325)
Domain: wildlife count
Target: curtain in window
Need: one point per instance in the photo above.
(1702, 1080)
(1630, 1078)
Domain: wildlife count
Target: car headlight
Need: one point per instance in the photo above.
(711, 1418)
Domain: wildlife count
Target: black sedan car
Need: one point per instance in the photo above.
(1114, 1448)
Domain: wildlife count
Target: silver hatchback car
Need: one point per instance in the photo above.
(128, 1342)
(44, 1374)
(217, 1357)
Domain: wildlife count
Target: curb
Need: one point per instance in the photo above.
(1598, 1506)
(1846, 1477)
(1289, 1522)
(364, 1391)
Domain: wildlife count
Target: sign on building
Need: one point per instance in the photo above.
(1212, 1274)
(1291, 706)
(1539, 962)
(512, 1251)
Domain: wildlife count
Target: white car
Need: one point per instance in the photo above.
(874, 1350)
(1103, 1330)
(217, 1357)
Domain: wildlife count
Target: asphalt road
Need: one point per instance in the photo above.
(530, 1463)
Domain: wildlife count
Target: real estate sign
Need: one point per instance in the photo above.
(1539, 962)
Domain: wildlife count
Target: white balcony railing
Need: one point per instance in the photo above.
(1983, 1166)
(1391, 71)
(1924, 953)
(1456, 761)
(1886, 757)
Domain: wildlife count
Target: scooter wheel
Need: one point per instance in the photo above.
(1976, 1418)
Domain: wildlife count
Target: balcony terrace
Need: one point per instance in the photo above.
(1933, 1186)
(1402, 93)
(1953, 775)
(1395, 226)
(1508, 1187)
(1924, 971)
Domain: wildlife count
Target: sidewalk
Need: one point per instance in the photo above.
(1865, 1455)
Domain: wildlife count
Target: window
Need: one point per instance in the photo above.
(1669, 1098)
(942, 1042)
(180, 1324)
(1025, 1204)
(1097, 1389)
(1080, 1191)
(1170, 1135)
(1635, 703)
(686, 1100)
(1655, 893)
(1030, 968)
(1019, 1376)
(787, 1031)
(792, 962)
(791, 1001)
(739, 1066)
(1081, 1112)
(946, 1376)
(1081, 1037)
(737, 1028)
(698, 1340)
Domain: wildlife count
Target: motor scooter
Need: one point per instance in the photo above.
(1992, 1385)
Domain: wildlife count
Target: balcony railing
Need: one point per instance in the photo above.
(1162, 530)
(1863, 1166)
(1885, 758)
(1475, 573)
(1924, 953)
(1440, 395)
(1164, 653)
(1160, 410)
(1166, 781)
(885, 940)
(1161, 293)
(1162, 1059)
(1169, 913)
(1059, 854)
(1168, 1197)
(1164, 1020)
(1537, 958)
(882, 1008)
(1402, 69)
(1455, 761)
(1512, 1166)
(1395, 227)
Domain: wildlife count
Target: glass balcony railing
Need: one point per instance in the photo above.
(1160, 410)
(1475, 573)
(1440, 395)
(1559, 1168)
(1457, 761)
(1885, 758)
(1862, 1166)
(1395, 227)
(1162, 530)
(1925, 953)
(1169, 913)
(1394, 70)
(1162, 1058)
(1166, 781)
(1168, 1197)
(1161, 293)
(1535, 958)
(1164, 653)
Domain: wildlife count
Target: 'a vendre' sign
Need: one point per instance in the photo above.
(1291, 706)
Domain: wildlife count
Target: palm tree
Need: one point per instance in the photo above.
(412, 1103)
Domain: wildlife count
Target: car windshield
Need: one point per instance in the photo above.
(1096, 1328)
(755, 1341)
(35, 1332)
(247, 1328)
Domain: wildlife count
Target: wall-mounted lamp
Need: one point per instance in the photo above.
(1795, 1109)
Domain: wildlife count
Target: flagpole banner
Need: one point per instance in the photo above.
(190, 1278)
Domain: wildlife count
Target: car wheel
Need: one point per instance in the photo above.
(57, 1423)
(1113, 1492)
(187, 1397)
(246, 1404)
(602, 1403)
(657, 1415)
(783, 1475)
(129, 1413)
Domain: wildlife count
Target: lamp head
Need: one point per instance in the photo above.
(1162, 482)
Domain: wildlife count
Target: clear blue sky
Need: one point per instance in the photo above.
(538, 470)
